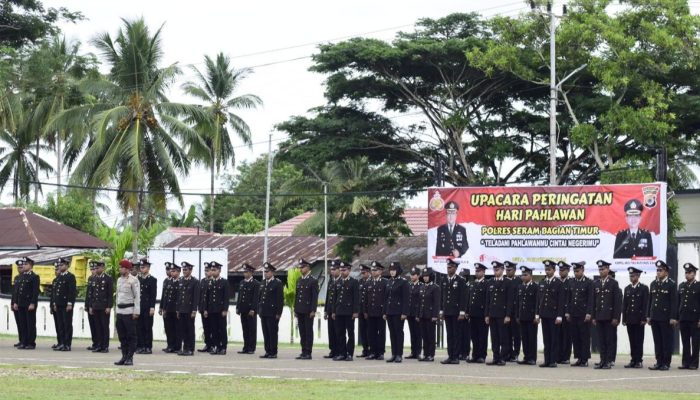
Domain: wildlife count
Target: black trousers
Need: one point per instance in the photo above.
(126, 330)
(528, 335)
(690, 335)
(20, 332)
(206, 327)
(57, 325)
(550, 336)
(345, 329)
(499, 339)
(395, 324)
(465, 339)
(249, 325)
(376, 335)
(662, 331)
(218, 330)
(145, 330)
(362, 334)
(102, 328)
(306, 332)
(479, 335)
(607, 341)
(427, 333)
(27, 326)
(635, 332)
(64, 319)
(185, 332)
(580, 338)
(93, 329)
(414, 331)
(270, 329)
(514, 340)
(453, 329)
(332, 337)
(170, 326)
(565, 341)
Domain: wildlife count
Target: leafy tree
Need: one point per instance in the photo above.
(290, 292)
(245, 223)
(188, 219)
(72, 210)
(25, 21)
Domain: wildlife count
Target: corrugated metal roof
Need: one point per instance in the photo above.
(287, 227)
(284, 251)
(43, 255)
(410, 251)
(22, 229)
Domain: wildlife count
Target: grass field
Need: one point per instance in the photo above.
(24, 382)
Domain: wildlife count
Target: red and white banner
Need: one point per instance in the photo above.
(622, 224)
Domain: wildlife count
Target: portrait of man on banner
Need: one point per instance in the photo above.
(451, 237)
(633, 241)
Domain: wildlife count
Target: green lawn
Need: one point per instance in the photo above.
(19, 382)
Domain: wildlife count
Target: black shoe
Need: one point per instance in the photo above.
(683, 367)
(638, 365)
(129, 361)
(147, 351)
(398, 359)
(57, 347)
(655, 367)
(213, 350)
(630, 365)
(461, 358)
(166, 350)
(207, 349)
(379, 357)
(120, 362)
(29, 347)
(265, 356)
(411, 357)
(392, 359)
(543, 365)
(664, 368)
(523, 362)
(370, 357)
(17, 344)
(221, 352)
(272, 356)
(250, 352)
(103, 350)
(304, 357)
(52, 346)
(531, 362)
(172, 351)
(602, 366)
(330, 355)
(564, 362)
(362, 355)
(339, 358)
(348, 358)
(239, 352)
(65, 348)
(449, 361)
(427, 359)
(480, 361)
(185, 353)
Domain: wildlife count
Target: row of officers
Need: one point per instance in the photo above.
(506, 307)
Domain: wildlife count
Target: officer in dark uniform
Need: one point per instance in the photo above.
(26, 297)
(246, 307)
(465, 339)
(328, 309)
(149, 291)
(204, 285)
(497, 313)
(216, 309)
(13, 302)
(396, 310)
(663, 306)
(526, 315)
(187, 304)
(374, 307)
(579, 314)
(413, 309)
(476, 312)
(614, 345)
(634, 308)
(512, 352)
(56, 323)
(64, 292)
(92, 265)
(101, 304)
(168, 306)
(362, 321)
(633, 241)
(688, 317)
(550, 310)
(451, 237)
(565, 328)
(305, 305)
(428, 313)
(607, 306)
(345, 309)
(270, 309)
(454, 309)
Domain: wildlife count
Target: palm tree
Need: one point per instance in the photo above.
(135, 125)
(216, 88)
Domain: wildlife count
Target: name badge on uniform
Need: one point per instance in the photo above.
(459, 237)
(643, 243)
(454, 285)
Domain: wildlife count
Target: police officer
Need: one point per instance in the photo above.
(216, 309)
(634, 307)
(101, 304)
(498, 313)
(465, 339)
(396, 310)
(579, 314)
(526, 315)
(633, 241)
(428, 313)
(550, 310)
(25, 297)
(345, 309)
(607, 306)
(168, 306)
(204, 285)
(663, 305)
(56, 323)
(413, 308)
(246, 307)
(454, 309)
(328, 309)
(128, 309)
(149, 290)
(565, 342)
(305, 305)
(688, 317)
(362, 321)
(91, 318)
(374, 307)
(187, 304)
(270, 309)
(512, 329)
(64, 292)
(476, 312)
(451, 237)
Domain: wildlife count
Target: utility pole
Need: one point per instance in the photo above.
(270, 156)
(325, 229)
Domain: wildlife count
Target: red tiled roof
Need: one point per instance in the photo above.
(23, 229)
(287, 227)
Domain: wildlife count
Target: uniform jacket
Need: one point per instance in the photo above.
(271, 298)
(397, 296)
(187, 295)
(347, 300)
(527, 302)
(663, 300)
(376, 297)
(580, 301)
(330, 296)
(689, 301)
(635, 304)
(306, 297)
(550, 298)
(414, 298)
(26, 290)
(498, 301)
(248, 296)
(476, 290)
(64, 290)
(101, 292)
(168, 297)
(607, 300)
(446, 241)
(627, 247)
(430, 301)
(149, 292)
(218, 295)
(454, 296)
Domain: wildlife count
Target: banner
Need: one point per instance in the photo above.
(622, 224)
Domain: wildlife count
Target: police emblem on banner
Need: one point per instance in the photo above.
(650, 195)
(437, 203)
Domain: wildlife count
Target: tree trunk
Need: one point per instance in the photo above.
(211, 195)
(36, 176)
(59, 162)
(135, 220)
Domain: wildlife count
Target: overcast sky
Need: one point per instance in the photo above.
(254, 34)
